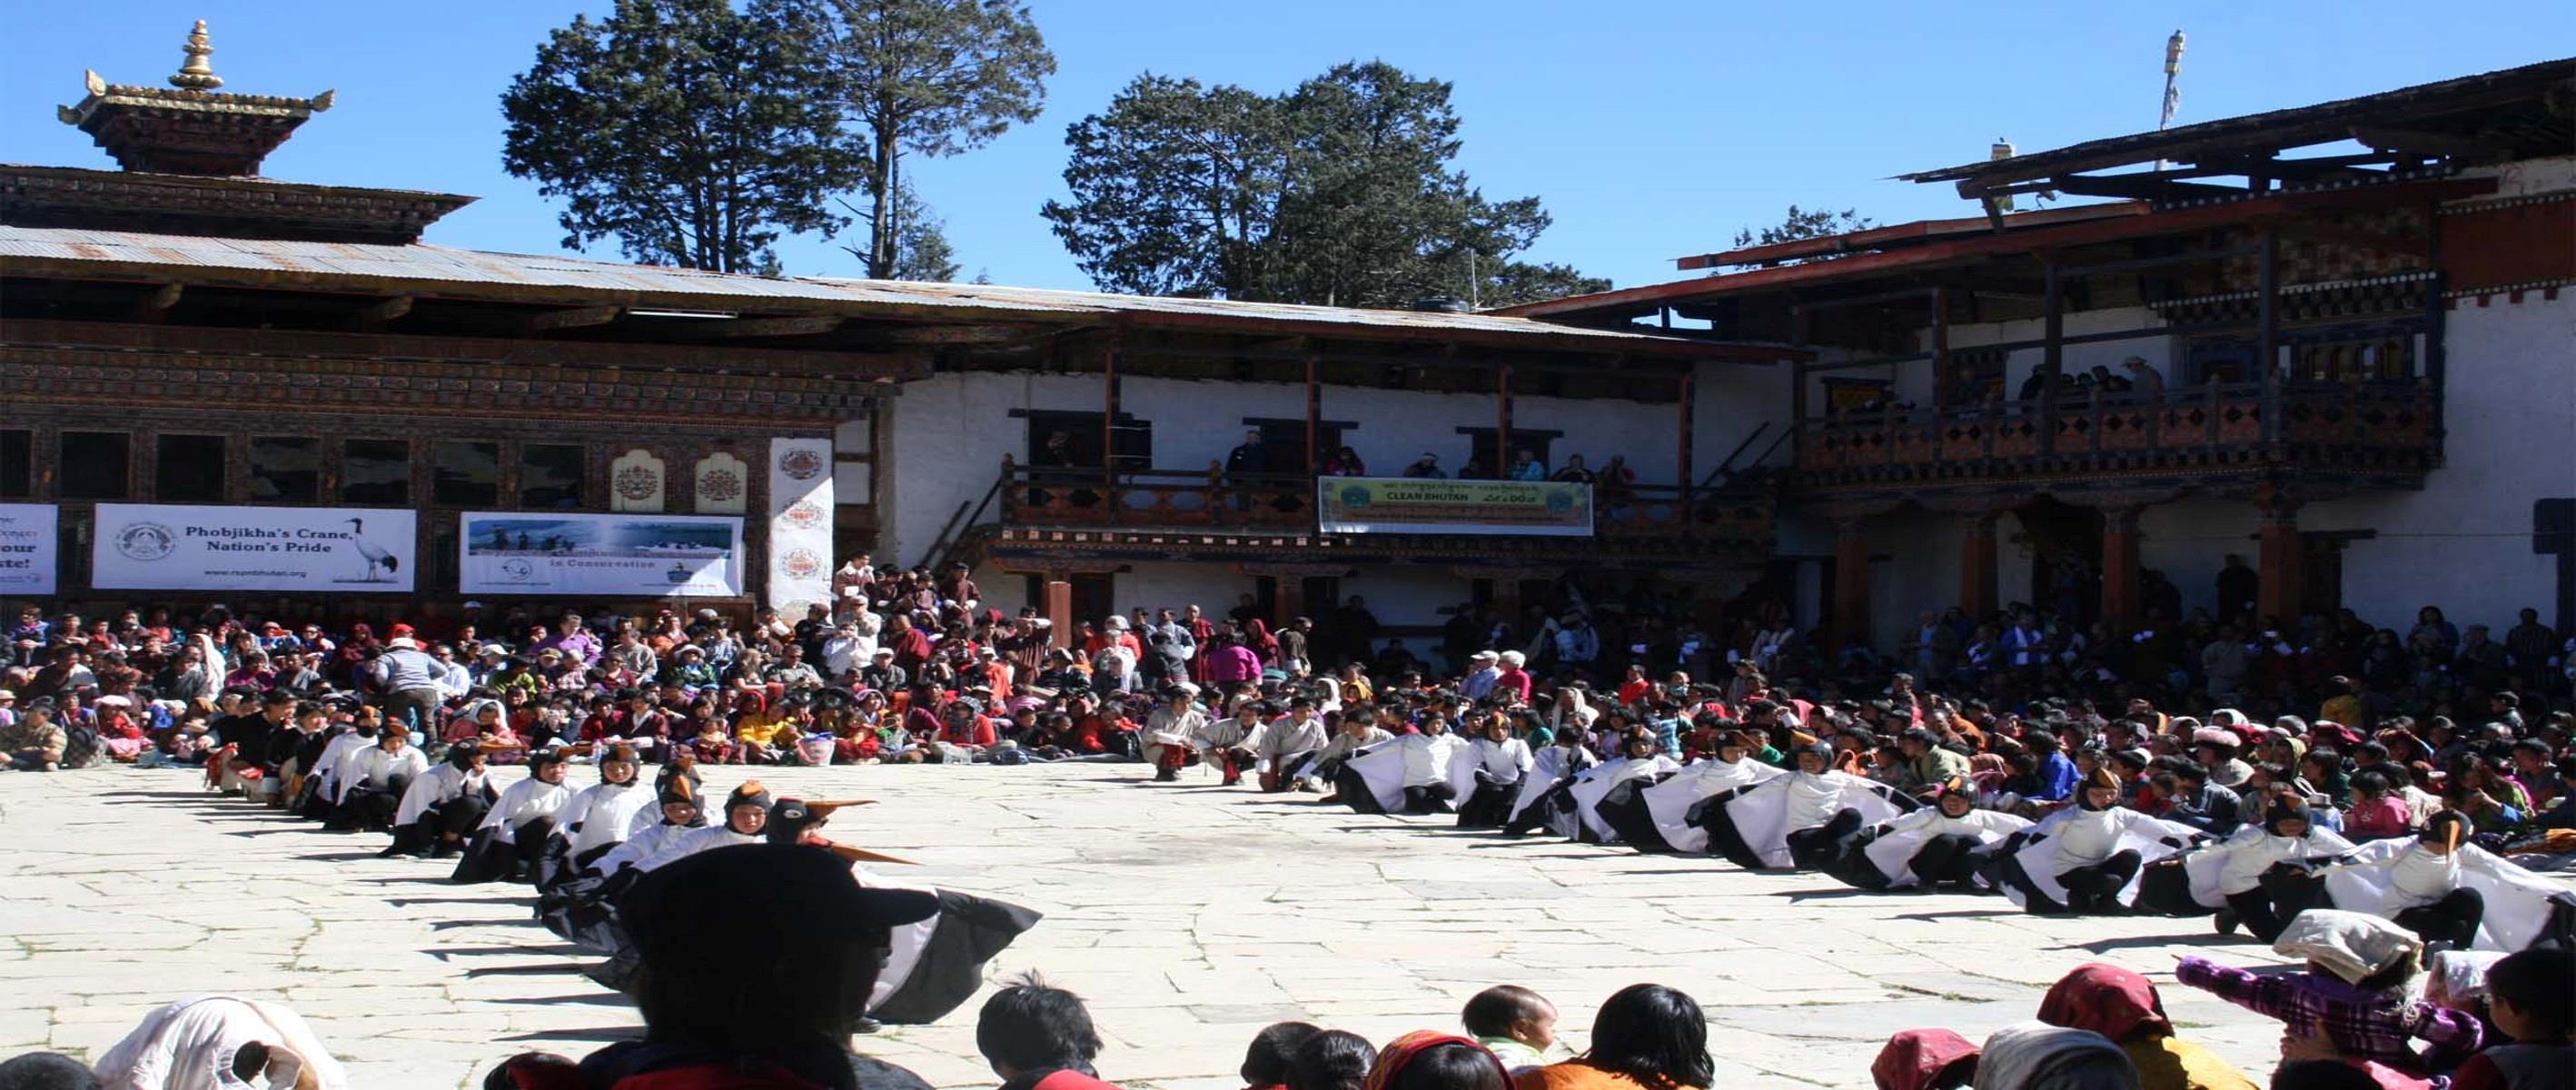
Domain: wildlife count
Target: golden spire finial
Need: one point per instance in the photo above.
(197, 74)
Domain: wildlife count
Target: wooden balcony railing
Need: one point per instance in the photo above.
(1640, 518)
(2387, 427)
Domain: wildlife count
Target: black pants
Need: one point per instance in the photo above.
(371, 808)
(458, 816)
(2453, 919)
(2269, 907)
(1429, 799)
(2096, 887)
(1823, 844)
(1950, 857)
(1487, 808)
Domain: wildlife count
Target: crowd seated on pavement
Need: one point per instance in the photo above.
(2276, 775)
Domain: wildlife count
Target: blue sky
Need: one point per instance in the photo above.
(1651, 128)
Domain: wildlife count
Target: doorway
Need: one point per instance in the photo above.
(2065, 543)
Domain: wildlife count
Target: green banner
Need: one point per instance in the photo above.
(1415, 505)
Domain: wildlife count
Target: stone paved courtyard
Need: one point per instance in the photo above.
(1187, 915)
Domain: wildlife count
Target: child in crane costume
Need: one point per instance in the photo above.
(2255, 877)
(1944, 844)
(2085, 858)
(515, 830)
(1612, 787)
(1800, 820)
(1426, 773)
(2447, 890)
(936, 963)
(1657, 818)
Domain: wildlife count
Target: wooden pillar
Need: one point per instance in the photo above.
(2052, 357)
(1851, 584)
(1977, 566)
(1940, 347)
(1109, 433)
(1690, 415)
(1314, 417)
(1287, 600)
(2278, 597)
(2267, 353)
(1058, 611)
(2120, 569)
(1502, 421)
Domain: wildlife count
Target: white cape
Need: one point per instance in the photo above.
(2029, 878)
(190, 1044)
(1669, 803)
(2518, 902)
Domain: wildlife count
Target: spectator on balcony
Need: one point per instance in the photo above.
(1426, 467)
(2042, 379)
(1475, 469)
(1616, 483)
(2144, 378)
(1346, 463)
(1573, 472)
(1526, 467)
(2106, 382)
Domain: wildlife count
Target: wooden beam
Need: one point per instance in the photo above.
(2438, 143)
(2141, 187)
(958, 334)
(788, 326)
(573, 318)
(2312, 231)
(390, 309)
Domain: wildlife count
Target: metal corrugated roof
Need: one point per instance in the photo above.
(426, 269)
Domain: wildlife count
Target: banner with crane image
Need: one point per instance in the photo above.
(617, 556)
(158, 546)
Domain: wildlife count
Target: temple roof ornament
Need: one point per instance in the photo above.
(190, 127)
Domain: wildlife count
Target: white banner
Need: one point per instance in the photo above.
(800, 524)
(29, 536)
(638, 556)
(139, 546)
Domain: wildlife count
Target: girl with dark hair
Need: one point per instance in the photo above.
(1647, 1036)
(1331, 1060)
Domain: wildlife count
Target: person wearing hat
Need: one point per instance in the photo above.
(443, 805)
(676, 810)
(409, 678)
(2256, 877)
(601, 815)
(2353, 995)
(746, 814)
(374, 779)
(2085, 858)
(515, 829)
(1799, 820)
(767, 1007)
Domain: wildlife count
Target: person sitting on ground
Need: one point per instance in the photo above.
(1288, 744)
(1331, 1060)
(2352, 995)
(2529, 999)
(514, 831)
(374, 780)
(1038, 1037)
(2256, 877)
(1801, 820)
(1431, 1060)
(1924, 1059)
(2124, 1007)
(441, 807)
(34, 743)
(2039, 1056)
(1516, 1024)
(1647, 1037)
(746, 816)
(1266, 1059)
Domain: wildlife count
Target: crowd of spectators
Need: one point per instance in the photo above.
(2203, 720)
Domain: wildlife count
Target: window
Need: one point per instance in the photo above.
(1133, 438)
(550, 477)
(94, 465)
(285, 469)
(375, 471)
(188, 469)
(466, 474)
(17, 464)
